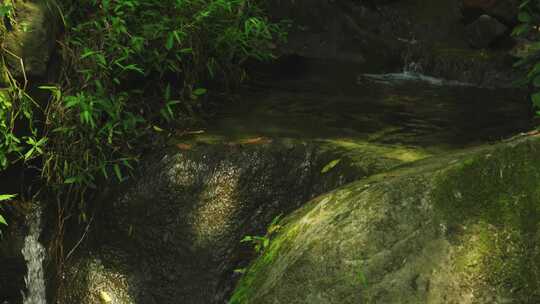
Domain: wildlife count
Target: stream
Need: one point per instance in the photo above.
(405, 108)
(396, 109)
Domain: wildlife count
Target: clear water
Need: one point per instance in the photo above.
(406, 108)
(34, 254)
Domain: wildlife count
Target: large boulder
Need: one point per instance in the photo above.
(30, 38)
(456, 229)
(335, 30)
(176, 231)
(484, 31)
(387, 36)
(504, 10)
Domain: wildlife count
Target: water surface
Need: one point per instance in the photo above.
(417, 110)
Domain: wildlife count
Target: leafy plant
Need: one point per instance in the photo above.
(131, 70)
(260, 243)
(3, 198)
(330, 165)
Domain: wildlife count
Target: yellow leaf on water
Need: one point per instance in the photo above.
(184, 146)
(255, 140)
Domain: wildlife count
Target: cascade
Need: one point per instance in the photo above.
(34, 254)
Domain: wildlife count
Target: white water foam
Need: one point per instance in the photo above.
(411, 77)
(412, 72)
(34, 254)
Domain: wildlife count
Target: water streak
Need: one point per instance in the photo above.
(34, 254)
(409, 76)
(412, 72)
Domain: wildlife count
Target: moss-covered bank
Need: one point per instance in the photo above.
(457, 229)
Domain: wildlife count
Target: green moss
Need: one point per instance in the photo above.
(244, 289)
(495, 198)
(264, 268)
(395, 152)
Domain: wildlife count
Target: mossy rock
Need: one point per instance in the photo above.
(180, 224)
(31, 37)
(100, 279)
(455, 229)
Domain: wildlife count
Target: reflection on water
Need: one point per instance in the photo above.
(412, 110)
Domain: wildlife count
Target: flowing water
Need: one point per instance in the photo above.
(34, 254)
(406, 108)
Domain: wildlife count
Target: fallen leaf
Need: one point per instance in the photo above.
(184, 132)
(184, 146)
(255, 140)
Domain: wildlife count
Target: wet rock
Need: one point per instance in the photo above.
(484, 31)
(13, 267)
(101, 279)
(505, 11)
(482, 67)
(334, 30)
(30, 39)
(456, 229)
(177, 230)
(375, 36)
(479, 4)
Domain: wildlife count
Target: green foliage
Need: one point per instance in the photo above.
(529, 18)
(131, 68)
(3, 198)
(137, 64)
(260, 243)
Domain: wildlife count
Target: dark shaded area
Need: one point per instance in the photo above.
(12, 263)
(331, 102)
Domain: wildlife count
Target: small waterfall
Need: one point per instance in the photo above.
(412, 71)
(34, 254)
(413, 68)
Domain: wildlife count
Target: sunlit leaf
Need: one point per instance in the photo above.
(330, 165)
(3, 220)
(199, 91)
(536, 99)
(170, 41)
(71, 180)
(7, 197)
(118, 173)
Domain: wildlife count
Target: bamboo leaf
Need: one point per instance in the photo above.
(7, 197)
(3, 220)
(330, 165)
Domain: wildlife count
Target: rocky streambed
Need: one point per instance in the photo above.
(388, 193)
(358, 182)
